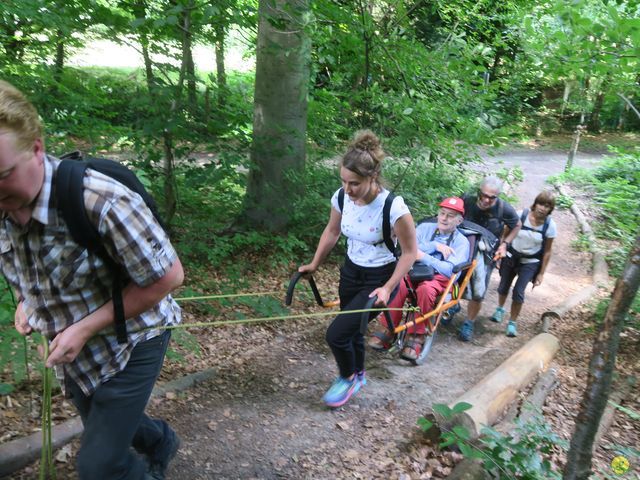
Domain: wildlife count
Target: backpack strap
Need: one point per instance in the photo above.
(386, 223)
(341, 199)
(69, 186)
(545, 227)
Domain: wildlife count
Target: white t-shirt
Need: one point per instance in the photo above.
(362, 225)
(529, 242)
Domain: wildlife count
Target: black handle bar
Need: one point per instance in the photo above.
(292, 285)
(462, 266)
(364, 322)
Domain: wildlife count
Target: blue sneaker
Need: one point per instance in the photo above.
(466, 331)
(512, 330)
(498, 315)
(362, 378)
(341, 391)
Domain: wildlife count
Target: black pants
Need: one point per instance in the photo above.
(114, 418)
(344, 335)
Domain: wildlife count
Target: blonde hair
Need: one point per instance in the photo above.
(364, 155)
(19, 116)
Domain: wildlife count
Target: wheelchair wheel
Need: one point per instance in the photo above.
(426, 348)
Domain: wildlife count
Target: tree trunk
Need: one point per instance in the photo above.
(187, 55)
(594, 121)
(221, 74)
(170, 198)
(565, 96)
(58, 66)
(280, 111)
(365, 18)
(601, 367)
(574, 148)
(140, 11)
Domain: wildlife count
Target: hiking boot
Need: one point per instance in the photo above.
(512, 331)
(466, 331)
(341, 391)
(157, 470)
(498, 315)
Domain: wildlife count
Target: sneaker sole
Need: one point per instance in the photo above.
(352, 391)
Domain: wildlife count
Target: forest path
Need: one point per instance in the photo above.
(261, 416)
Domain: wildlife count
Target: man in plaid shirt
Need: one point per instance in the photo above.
(64, 292)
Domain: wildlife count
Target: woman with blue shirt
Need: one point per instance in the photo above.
(527, 257)
(370, 268)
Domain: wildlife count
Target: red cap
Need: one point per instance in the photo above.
(453, 203)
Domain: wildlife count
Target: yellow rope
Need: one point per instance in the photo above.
(279, 317)
(229, 295)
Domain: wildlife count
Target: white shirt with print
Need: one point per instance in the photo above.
(362, 225)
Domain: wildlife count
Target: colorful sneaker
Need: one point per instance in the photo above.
(362, 378)
(466, 331)
(512, 331)
(341, 391)
(498, 315)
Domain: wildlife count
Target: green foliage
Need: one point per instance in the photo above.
(187, 341)
(521, 455)
(13, 346)
(458, 435)
(564, 201)
(615, 188)
(525, 453)
(591, 46)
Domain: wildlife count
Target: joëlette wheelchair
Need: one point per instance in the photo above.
(448, 299)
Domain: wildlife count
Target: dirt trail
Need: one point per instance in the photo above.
(262, 417)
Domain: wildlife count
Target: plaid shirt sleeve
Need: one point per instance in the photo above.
(133, 237)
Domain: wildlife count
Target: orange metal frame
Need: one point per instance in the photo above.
(442, 305)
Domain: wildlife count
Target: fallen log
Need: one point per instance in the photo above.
(494, 393)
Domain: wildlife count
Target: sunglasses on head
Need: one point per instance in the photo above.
(481, 194)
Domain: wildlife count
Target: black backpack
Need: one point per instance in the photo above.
(386, 219)
(69, 187)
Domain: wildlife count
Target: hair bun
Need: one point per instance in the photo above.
(366, 140)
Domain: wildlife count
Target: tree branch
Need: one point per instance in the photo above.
(630, 104)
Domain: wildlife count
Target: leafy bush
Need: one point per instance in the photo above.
(616, 187)
(525, 453)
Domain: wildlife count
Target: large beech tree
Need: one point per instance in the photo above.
(280, 111)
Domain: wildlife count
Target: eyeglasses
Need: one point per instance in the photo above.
(481, 194)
